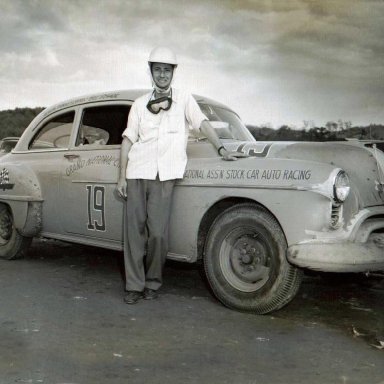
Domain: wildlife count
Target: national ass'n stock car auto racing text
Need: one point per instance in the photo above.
(255, 223)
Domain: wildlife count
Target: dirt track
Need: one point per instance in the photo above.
(63, 321)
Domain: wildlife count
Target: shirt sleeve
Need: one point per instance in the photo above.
(193, 113)
(132, 130)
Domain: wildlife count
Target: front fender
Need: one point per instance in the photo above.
(20, 190)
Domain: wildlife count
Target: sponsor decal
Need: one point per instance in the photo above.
(4, 180)
(91, 162)
(82, 100)
(248, 174)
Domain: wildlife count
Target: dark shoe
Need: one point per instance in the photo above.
(150, 294)
(132, 297)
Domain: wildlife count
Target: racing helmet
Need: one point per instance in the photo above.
(162, 55)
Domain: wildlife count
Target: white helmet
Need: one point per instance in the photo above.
(162, 55)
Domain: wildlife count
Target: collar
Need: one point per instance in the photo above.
(162, 91)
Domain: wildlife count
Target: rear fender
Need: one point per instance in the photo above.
(20, 190)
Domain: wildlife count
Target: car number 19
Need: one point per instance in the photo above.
(96, 207)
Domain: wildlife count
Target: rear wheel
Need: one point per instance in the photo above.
(12, 244)
(245, 261)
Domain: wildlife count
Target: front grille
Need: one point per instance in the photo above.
(336, 212)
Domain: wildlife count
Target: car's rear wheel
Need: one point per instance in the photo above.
(245, 261)
(12, 244)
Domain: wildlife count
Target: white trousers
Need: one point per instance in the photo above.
(146, 227)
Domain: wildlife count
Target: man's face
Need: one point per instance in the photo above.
(162, 74)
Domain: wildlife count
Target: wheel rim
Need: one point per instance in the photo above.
(245, 259)
(5, 226)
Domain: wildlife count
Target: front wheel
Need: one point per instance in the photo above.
(12, 244)
(245, 261)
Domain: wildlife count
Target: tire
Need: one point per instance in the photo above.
(12, 244)
(245, 261)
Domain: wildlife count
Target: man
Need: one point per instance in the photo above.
(153, 156)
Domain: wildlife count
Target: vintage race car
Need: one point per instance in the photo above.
(256, 223)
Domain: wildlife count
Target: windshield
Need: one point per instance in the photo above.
(227, 124)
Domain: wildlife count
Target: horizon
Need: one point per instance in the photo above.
(252, 125)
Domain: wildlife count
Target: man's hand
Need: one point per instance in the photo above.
(122, 188)
(232, 155)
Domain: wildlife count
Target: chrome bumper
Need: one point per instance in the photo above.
(343, 256)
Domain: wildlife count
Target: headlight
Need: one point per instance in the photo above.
(341, 187)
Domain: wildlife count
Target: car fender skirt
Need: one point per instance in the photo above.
(340, 257)
(33, 222)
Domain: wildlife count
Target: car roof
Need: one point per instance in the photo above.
(127, 94)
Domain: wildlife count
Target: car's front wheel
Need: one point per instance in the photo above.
(12, 244)
(245, 261)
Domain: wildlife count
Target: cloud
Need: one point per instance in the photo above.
(26, 25)
(277, 61)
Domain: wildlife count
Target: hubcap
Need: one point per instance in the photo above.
(245, 259)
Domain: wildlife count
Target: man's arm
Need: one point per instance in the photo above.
(122, 182)
(208, 131)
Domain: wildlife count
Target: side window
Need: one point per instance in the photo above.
(102, 125)
(55, 133)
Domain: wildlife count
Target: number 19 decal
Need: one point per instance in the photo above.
(96, 207)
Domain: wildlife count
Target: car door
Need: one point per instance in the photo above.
(93, 212)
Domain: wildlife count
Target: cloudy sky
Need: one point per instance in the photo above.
(273, 61)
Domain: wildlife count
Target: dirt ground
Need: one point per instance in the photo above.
(63, 320)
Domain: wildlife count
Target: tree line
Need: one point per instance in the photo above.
(13, 122)
(339, 130)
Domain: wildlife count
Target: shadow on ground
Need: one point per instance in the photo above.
(352, 303)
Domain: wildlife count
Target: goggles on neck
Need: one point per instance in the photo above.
(162, 103)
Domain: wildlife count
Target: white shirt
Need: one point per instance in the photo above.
(160, 140)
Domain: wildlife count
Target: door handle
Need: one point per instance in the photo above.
(71, 156)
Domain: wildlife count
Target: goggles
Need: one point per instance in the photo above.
(162, 103)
